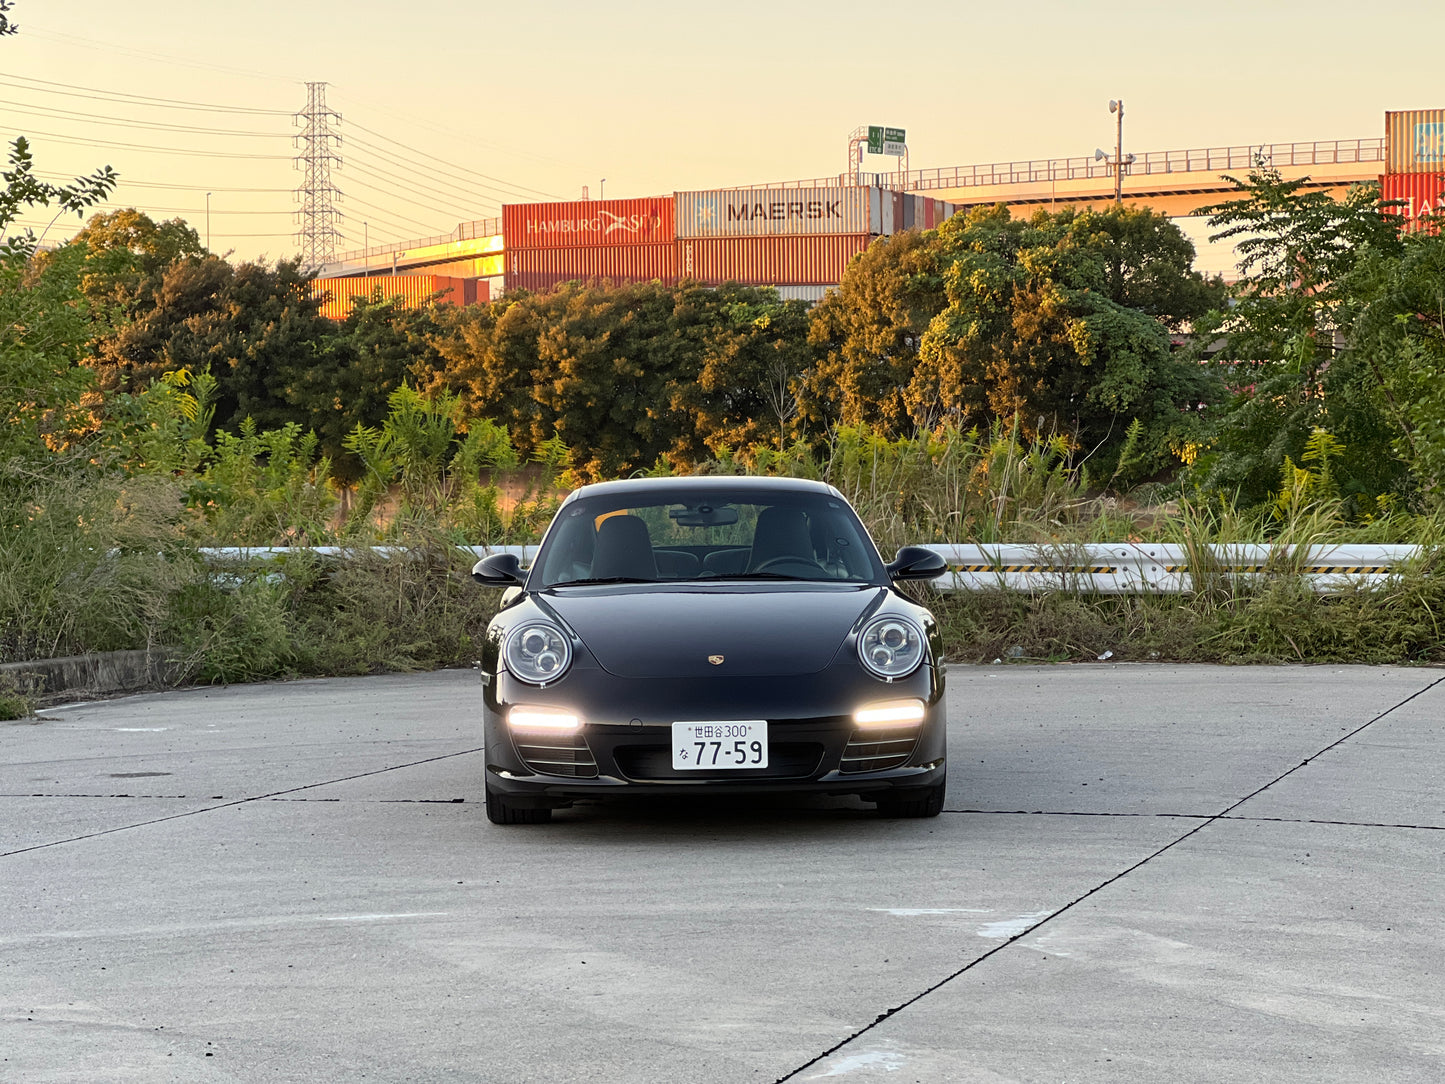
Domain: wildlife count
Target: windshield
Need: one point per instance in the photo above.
(707, 534)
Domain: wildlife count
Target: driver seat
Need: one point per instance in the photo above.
(781, 532)
(624, 548)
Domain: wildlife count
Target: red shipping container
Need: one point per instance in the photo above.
(1421, 192)
(589, 223)
(768, 261)
(541, 269)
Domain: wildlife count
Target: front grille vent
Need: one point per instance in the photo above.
(786, 760)
(557, 754)
(877, 749)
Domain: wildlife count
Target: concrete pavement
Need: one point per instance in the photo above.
(1200, 873)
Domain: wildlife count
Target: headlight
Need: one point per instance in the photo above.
(537, 652)
(891, 647)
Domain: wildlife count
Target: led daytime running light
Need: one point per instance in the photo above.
(524, 718)
(895, 713)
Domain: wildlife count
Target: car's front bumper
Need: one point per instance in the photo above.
(624, 745)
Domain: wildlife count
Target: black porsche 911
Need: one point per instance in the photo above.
(720, 635)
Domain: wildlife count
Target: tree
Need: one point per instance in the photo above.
(23, 189)
(1282, 340)
(1033, 337)
(1399, 339)
(737, 379)
(868, 331)
(360, 362)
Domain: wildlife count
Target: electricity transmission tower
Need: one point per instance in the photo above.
(317, 217)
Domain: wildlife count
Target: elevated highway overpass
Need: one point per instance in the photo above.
(1175, 183)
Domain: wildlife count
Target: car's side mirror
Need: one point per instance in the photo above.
(916, 563)
(499, 570)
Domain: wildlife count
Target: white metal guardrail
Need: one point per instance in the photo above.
(1158, 568)
(1100, 568)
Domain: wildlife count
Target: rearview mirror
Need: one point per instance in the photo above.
(917, 563)
(704, 515)
(499, 570)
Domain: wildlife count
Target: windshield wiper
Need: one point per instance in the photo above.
(769, 576)
(603, 579)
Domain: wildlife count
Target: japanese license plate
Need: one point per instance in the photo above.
(708, 746)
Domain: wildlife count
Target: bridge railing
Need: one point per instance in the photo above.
(1046, 170)
(465, 231)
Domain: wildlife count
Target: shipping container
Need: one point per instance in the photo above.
(1421, 192)
(768, 261)
(541, 269)
(773, 212)
(811, 294)
(588, 223)
(1415, 141)
(414, 291)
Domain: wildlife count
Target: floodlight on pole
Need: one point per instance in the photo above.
(1118, 107)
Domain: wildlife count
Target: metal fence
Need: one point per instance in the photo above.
(1046, 170)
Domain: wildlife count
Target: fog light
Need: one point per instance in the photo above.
(555, 719)
(891, 713)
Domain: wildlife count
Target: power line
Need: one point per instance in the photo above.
(507, 184)
(161, 150)
(110, 47)
(65, 114)
(412, 197)
(432, 171)
(126, 181)
(409, 192)
(384, 211)
(74, 91)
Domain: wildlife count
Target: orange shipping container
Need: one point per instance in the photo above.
(541, 269)
(768, 261)
(588, 223)
(1415, 141)
(414, 291)
(1421, 192)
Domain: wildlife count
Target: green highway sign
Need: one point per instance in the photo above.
(889, 141)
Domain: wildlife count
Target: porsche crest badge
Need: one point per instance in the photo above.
(716, 660)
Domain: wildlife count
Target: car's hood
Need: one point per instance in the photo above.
(755, 630)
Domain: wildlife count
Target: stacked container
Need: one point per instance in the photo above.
(414, 291)
(789, 236)
(801, 237)
(1415, 161)
(627, 240)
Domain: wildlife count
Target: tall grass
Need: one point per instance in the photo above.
(94, 561)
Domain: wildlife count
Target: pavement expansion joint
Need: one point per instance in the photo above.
(1050, 916)
(1192, 816)
(234, 802)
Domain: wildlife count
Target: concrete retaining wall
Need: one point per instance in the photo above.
(79, 676)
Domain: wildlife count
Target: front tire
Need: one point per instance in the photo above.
(500, 811)
(922, 802)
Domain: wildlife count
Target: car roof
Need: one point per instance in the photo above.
(732, 483)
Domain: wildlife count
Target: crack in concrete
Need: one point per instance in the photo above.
(237, 802)
(1223, 814)
(1190, 816)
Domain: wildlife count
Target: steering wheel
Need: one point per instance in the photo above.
(775, 564)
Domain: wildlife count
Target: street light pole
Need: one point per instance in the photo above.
(602, 189)
(1118, 107)
(208, 222)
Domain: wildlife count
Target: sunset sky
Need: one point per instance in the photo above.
(450, 109)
